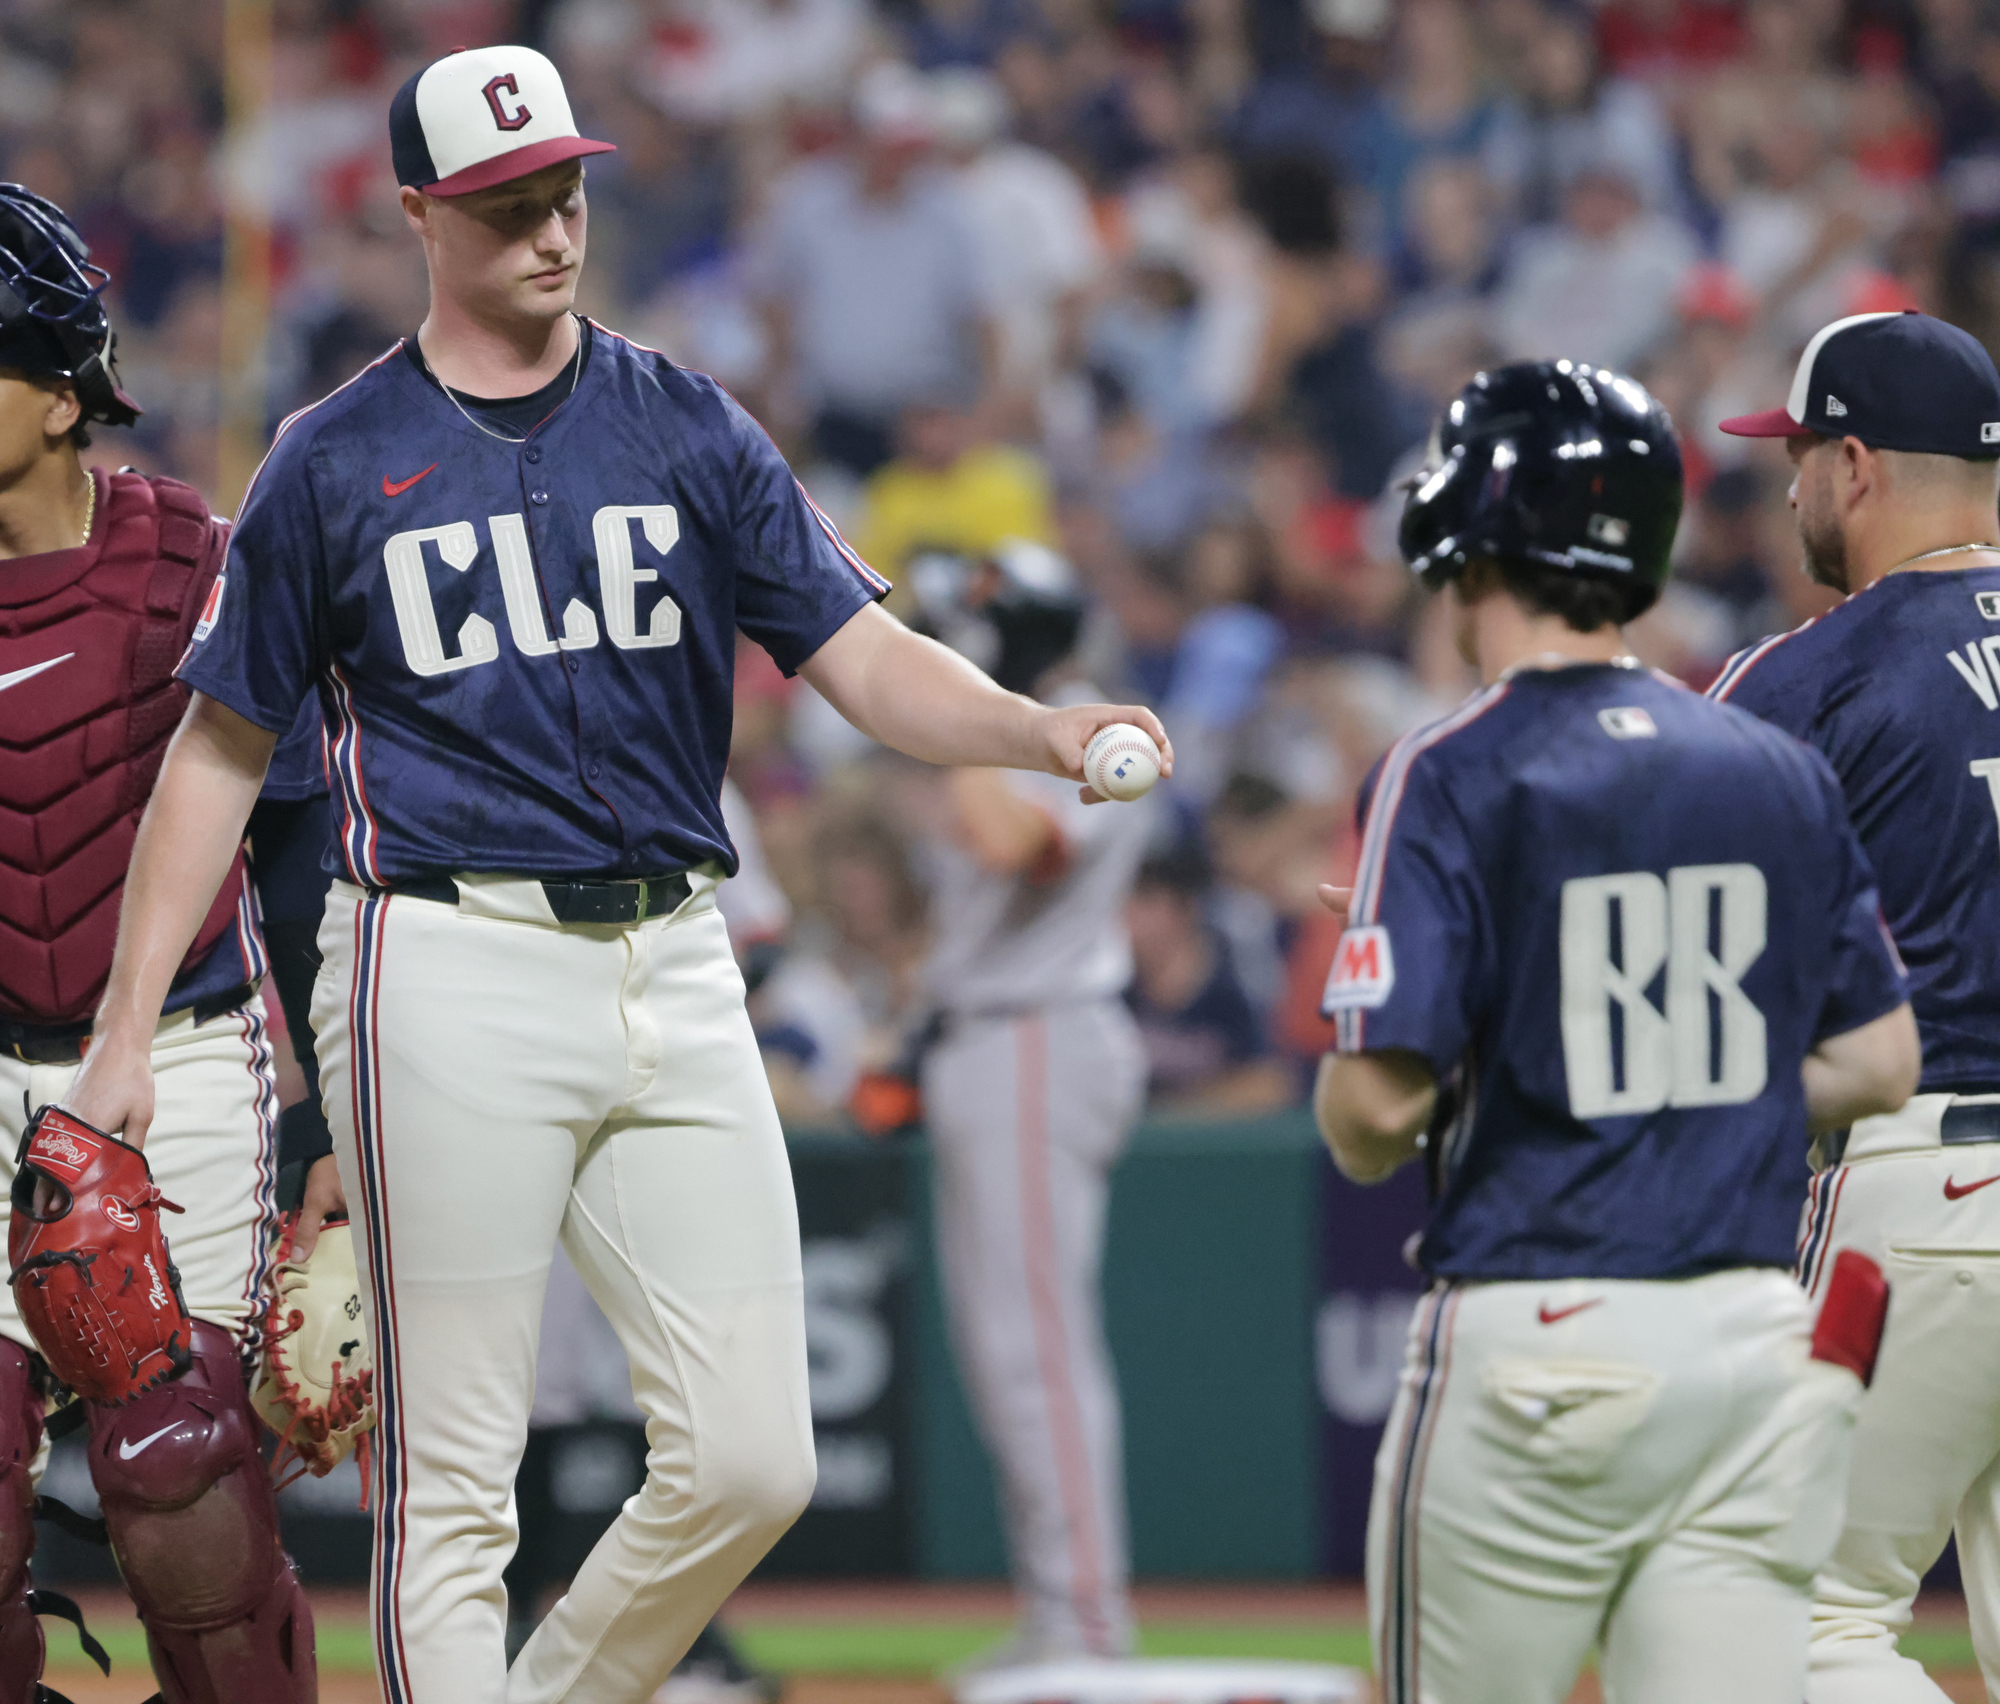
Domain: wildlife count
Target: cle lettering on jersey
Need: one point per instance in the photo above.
(524, 660)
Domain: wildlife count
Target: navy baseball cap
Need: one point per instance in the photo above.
(479, 117)
(1897, 382)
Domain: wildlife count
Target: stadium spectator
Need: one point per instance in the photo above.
(1435, 105)
(1206, 1047)
(729, 61)
(1600, 286)
(868, 274)
(1568, 114)
(949, 489)
(1038, 244)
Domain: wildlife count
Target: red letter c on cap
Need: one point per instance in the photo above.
(521, 114)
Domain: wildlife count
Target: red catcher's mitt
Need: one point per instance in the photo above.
(90, 1269)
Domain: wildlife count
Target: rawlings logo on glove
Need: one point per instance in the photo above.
(318, 1388)
(90, 1269)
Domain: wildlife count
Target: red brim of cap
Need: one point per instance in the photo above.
(504, 168)
(1772, 423)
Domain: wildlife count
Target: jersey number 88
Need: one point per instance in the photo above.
(1705, 924)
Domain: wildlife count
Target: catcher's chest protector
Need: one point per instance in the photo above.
(90, 1270)
(103, 627)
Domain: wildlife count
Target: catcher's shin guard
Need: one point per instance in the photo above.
(194, 1525)
(20, 1437)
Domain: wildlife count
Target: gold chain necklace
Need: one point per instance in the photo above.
(89, 508)
(1948, 550)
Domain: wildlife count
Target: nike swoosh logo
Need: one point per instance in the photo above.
(33, 669)
(1954, 1191)
(1549, 1316)
(396, 488)
(127, 1449)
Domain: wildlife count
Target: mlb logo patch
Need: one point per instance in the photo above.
(211, 608)
(1989, 431)
(1608, 529)
(1364, 971)
(1989, 604)
(1627, 722)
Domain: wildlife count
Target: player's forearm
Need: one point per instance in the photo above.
(1372, 1109)
(920, 698)
(187, 838)
(1004, 831)
(1870, 1070)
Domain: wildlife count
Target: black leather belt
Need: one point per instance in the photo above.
(1970, 1124)
(580, 901)
(62, 1044)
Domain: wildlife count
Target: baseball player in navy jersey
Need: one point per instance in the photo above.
(104, 580)
(1030, 1093)
(1893, 424)
(511, 558)
(1631, 941)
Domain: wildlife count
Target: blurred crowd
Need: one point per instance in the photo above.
(1172, 286)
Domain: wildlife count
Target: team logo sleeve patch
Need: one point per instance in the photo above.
(1364, 971)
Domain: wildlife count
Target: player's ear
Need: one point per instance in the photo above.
(416, 209)
(64, 411)
(1860, 469)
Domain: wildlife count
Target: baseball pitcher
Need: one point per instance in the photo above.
(510, 560)
(1609, 951)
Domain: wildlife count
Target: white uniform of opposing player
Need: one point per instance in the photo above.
(1029, 1096)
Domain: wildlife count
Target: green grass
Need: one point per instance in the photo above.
(343, 1646)
(920, 1648)
(894, 1648)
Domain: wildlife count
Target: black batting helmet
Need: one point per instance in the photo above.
(1016, 612)
(52, 318)
(1551, 463)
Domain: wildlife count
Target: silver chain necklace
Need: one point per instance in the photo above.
(576, 361)
(1948, 550)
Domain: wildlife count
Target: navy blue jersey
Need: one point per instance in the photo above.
(523, 652)
(1627, 914)
(298, 764)
(1899, 688)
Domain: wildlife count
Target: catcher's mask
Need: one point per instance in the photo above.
(52, 317)
(1015, 612)
(1552, 463)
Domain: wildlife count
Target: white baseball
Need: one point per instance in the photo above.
(1121, 762)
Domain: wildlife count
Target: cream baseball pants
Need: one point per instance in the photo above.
(213, 1149)
(1927, 1443)
(496, 1083)
(1653, 1467)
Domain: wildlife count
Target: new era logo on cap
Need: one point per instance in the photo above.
(1897, 382)
(481, 117)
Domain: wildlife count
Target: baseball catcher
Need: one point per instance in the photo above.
(104, 581)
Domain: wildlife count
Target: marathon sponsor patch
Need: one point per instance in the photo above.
(210, 609)
(1364, 970)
